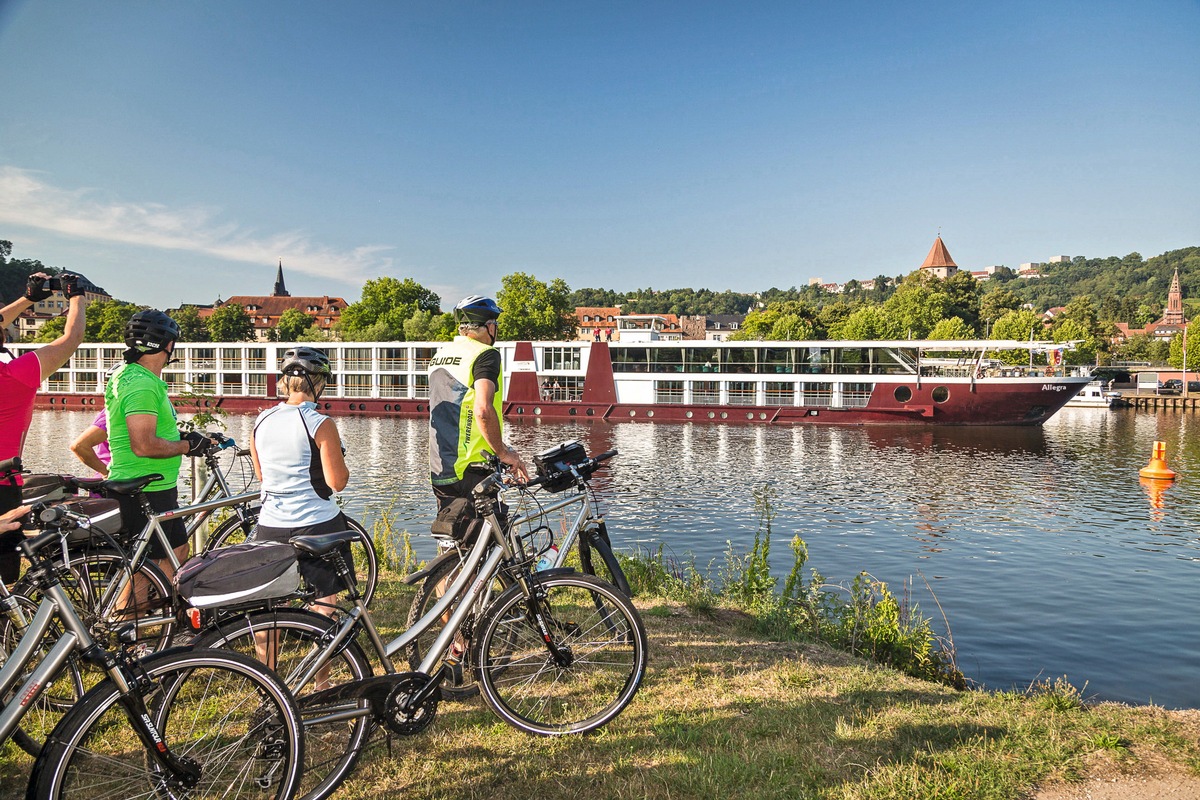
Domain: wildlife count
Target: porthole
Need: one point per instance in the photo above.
(632, 412)
(571, 411)
(650, 413)
(902, 394)
(327, 406)
(749, 415)
(420, 407)
(387, 406)
(537, 410)
(711, 415)
(812, 412)
(53, 400)
(591, 412)
(688, 415)
(941, 394)
(762, 415)
(724, 415)
(520, 409)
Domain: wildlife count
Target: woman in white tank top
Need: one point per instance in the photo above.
(297, 455)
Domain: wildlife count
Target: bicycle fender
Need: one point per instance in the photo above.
(420, 575)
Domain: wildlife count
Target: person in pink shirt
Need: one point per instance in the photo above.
(92, 446)
(19, 382)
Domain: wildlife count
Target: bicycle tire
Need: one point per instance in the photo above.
(604, 635)
(91, 572)
(58, 697)
(225, 711)
(595, 542)
(331, 748)
(235, 530)
(460, 685)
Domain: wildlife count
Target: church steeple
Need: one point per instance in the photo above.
(1173, 313)
(280, 290)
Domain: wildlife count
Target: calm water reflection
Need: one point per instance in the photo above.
(1046, 554)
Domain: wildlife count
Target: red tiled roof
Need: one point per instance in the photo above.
(272, 307)
(939, 256)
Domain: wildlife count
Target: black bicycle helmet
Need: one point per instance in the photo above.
(150, 331)
(300, 361)
(476, 309)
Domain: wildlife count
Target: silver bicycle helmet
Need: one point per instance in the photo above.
(301, 361)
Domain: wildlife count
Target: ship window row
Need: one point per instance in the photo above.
(762, 360)
(764, 393)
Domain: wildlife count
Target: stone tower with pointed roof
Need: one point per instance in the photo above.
(938, 262)
(280, 290)
(1173, 313)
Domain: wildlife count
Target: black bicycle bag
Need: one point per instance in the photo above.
(47, 488)
(242, 573)
(457, 521)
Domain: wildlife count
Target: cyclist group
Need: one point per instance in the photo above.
(296, 451)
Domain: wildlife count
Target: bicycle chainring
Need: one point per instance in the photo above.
(398, 716)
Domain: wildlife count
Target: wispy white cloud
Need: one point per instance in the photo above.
(26, 199)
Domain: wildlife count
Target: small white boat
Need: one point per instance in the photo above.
(1095, 395)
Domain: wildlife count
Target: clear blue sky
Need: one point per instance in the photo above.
(174, 151)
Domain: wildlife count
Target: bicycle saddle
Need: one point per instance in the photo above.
(131, 486)
(323, 543)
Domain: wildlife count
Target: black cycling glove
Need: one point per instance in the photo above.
(198, 443)
(73, 285)
(36, 289)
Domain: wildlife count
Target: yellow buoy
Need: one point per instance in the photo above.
(1157, 468)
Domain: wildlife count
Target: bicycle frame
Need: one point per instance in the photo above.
(215, 485)
(75, 638)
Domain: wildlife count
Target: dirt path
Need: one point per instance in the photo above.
(1126, 787)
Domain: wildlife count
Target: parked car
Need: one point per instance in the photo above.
(1173, 386)
(1193, 386)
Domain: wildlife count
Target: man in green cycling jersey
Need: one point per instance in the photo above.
(465, 396)
(142, 433)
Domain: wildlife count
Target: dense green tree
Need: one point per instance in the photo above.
(919, 302)
(1070, 330)
(1175, 357)
(534, 310)
(789, 320)
(230, 323)
(385, 304)
(867, 322)
(51, 329)
(953, 328)
(191, 327)
(292, 323)
(426, 326)
(1020, 326)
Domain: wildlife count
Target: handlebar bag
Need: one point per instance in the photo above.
(238, 574)
(555, 463)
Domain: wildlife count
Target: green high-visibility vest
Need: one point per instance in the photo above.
(455, 441)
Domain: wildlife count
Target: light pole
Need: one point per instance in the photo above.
(1185, 389)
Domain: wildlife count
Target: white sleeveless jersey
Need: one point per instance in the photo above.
(294, 491)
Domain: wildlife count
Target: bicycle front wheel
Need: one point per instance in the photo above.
(226, 713)
(236, 530)
(600, 664)
(597, 558)
(290, 641)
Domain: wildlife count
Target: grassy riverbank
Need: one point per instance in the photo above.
(727, 712)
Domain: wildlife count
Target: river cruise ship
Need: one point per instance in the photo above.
(641, 378)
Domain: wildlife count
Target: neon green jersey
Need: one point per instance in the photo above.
(455, 441)
(133, 389)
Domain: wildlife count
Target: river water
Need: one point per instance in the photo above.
(1046, 555)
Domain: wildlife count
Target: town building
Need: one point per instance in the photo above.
(939, 263)
(264, 311)
(30, 322)
(711, 327)
(1165, 327)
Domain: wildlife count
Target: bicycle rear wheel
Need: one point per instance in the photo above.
(291, 640)
(225, 712)
(601, 639)
(235, 530)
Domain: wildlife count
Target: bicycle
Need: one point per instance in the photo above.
(557, 652)
(207, 723)
(110, 570)
(235, 528)
(570, 471)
